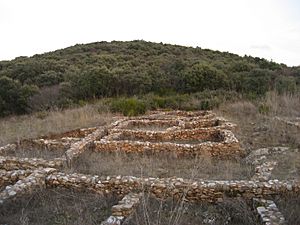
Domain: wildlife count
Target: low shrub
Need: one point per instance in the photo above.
(264, 109)
(128, 107)
(42, 115)
(168, 102)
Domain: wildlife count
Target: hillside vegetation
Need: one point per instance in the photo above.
(154, 71)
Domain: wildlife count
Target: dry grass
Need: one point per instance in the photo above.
(289, 206)
(286, 105)
(160, 165)
(31, 126)
(152, 211)
(257, 127)
(36, 153)
(57, 206)
(288, 167)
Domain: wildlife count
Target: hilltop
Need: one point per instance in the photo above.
(113, 69)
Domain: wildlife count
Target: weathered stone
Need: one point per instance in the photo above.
(268, 212)
(23, 175)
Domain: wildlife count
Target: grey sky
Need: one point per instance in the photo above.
(263, 28)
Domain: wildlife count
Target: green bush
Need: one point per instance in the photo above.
(158, 102)
(14, 96)
(113, 69)
(209, 104)
(82, 103)
(42, 115)
(175, 101)
(128, 107)
(264, 109)
(205, 100)
(210, 99)
(205, 105)
(285, 84)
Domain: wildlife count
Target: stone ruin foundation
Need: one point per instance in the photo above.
(185, 134)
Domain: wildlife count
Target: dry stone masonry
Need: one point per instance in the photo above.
(27, 185)
(268, 212)
(206, 190)
(294, 123)
(123, 209)
(185, 134)
(7, 148)
(264, 166)
(12, 176)
(15, 163)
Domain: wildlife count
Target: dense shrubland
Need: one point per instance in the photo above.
(162, 75)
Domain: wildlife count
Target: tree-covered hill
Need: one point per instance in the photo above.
(109, 69)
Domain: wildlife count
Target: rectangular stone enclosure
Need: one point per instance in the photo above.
(178, 133)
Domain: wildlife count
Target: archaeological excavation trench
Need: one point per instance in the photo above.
(184, 166)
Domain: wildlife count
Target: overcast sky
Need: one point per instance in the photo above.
(263, 28)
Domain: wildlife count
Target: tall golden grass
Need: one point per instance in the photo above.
(257, 123)
(15, 128)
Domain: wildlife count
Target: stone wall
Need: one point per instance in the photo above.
(173, 124)
(263, 172)
(48, 144)
(15, 163)
(123, 209)
(211, 149)
(268, 212)
(263, 165)
(12, 176)
(209, 135)
(7, 148)
(177, 120)
(78, 147)
(128, 186)
(148, 123)
(194, 191)
(78, 133)
(295, 123)
(204, 123)
(177, 115)
(227, 148)
(27, 185)
(200, 134)
(73, 147)
(217, 141)
(24, 175)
